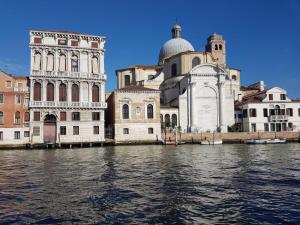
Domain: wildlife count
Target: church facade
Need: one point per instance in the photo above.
(67, 87)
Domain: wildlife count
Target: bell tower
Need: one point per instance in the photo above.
(216, 46)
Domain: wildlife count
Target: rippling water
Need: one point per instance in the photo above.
(188, 184)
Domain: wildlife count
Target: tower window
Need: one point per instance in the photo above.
(127, 80)
(125, 111)
(216, 47)
(233, 77)
(220, 47)
(150, 111)
(174, 70)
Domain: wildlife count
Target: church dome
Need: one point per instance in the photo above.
(175, 45)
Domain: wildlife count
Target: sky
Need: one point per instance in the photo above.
(262, 36)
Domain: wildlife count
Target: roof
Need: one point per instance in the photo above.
(140, 66)
(14, 76)
(136, 88)
(66, 32)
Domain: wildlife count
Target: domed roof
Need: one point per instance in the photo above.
(175, 45)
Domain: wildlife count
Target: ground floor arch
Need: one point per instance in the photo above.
(50, 129)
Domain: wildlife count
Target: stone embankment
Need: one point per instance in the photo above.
(232, 137)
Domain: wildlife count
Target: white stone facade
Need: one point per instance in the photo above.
(69, 68)
(10, 136)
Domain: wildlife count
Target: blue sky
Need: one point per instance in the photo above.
(262, 36)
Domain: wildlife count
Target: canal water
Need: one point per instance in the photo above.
(188, 184)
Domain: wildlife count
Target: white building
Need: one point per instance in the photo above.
(67, 83)
(268, 110)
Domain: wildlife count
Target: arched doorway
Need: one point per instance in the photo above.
(50, 129)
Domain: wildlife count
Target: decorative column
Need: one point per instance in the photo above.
(90, 85)
(44, 90)
(56, 92)
(69, 91)
(81, 91)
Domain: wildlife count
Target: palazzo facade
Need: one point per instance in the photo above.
(67, 83)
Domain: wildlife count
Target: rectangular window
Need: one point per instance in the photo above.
(299, 112)
(252, 112)
(266, 126)
(272, 126)
(1, 98)
(284, 126)
(1, 135)
(265, 112)
(125, 131)
(75, 130)
(270, 96)
(75, 116)
(282, 97)
(272, 112)
(36, 116)
(96, 129)
(150, 130)
(289, 112)
(95, 115)
(94, 45)
(63, 130)
(37, 40)
(18, 99)
(253, 127)
(74, 43)
(245, 113)
(63, 116)
(17, 135)
(8, 84)
(26, 133)
(62, 41)
(36, 131)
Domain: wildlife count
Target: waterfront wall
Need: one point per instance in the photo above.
(230, 137)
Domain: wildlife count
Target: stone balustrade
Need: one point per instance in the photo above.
(57, 104)
(67, 74)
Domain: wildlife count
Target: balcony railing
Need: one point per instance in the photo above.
(68, 74)
(50, 104)
(275, 118)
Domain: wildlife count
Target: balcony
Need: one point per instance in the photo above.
(77, 105)
(277, 118)
(67, 74)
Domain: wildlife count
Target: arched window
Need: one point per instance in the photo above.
(195, 62)
(62, 92)
(95, 65)
(50, 92)
(17, 117)
(37, 65)
(220, 47)
(174, 69)
(26, 117)
(233, 77)
(62, 63)
(150, 111)
(75, 93)
(1, 118)
(125, 111)
(37, 92)
(74, 63)
(95, 93)
(50, 62)
(167, 120)
(174, 120)
(127, 80)
(216, 47)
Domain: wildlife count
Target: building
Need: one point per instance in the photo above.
(14, 113)
(267, 110)
(133, 114)
(67, 83)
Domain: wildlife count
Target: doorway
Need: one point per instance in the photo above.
(50, 129)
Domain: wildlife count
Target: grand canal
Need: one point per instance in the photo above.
(188, 184)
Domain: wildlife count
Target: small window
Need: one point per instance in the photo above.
(17, 135)
(174, 69)
(299, 112)
(1, 118)
(270, 97)
(266, 126)
(240, 116)
(150, 111)
(96, 116)
(17, 117)
(37, 40)
(282, 97)
(1, 135)
(265, 112)
(150, 130)
(290, 126)
(76, 116)
(125, 111)
(216, 47)
(63, 130)
(272, 126)
(75, 130)
(125, 131)
(253, 127)
(289, 112)
(220, 47)
(36, 116)
(74, 43)
(1, 98)
(26, 117)
(36, 131)
(96, 129)
(233, 77)
(94, 45)
(18, 99)
(8, 84)
(62, 41)
(252, 112)
(127, 80)
(26, 133)
(63, 116)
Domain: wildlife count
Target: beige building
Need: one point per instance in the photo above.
(133, 115)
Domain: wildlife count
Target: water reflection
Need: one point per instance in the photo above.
(188, 184)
